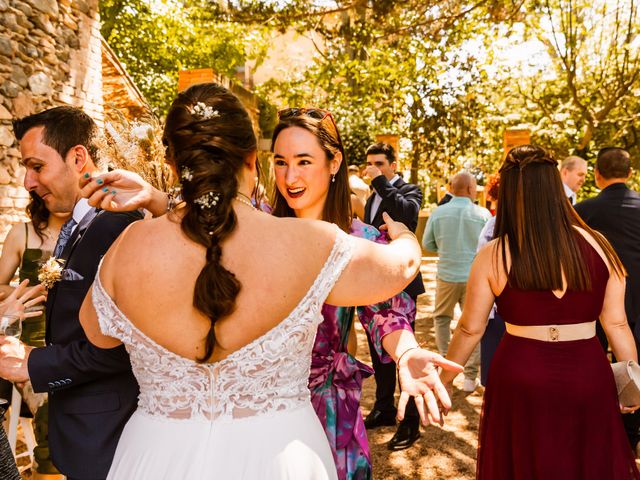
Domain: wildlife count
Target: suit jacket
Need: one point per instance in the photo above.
(615, 212)
(92, 391)
(446, 199)
(402, 202)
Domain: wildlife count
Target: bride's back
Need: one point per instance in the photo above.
(153, 269)
(215, 274)
(206, 280)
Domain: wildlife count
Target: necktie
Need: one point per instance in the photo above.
(63, 238)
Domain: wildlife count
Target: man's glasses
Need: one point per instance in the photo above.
(315, 113)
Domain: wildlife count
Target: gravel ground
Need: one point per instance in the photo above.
(447, 453)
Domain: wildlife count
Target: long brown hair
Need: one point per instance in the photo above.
(536, 221)
(39, 215)
(208, 135)
(337, 206)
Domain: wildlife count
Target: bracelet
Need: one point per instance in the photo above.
(171, 202)
(173, 198)
(403, 354)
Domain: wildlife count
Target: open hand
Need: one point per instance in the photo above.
(419, 378)
(21, 299)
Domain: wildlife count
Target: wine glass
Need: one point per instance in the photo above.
(10, 325)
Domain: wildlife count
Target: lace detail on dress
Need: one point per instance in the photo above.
(269, 374)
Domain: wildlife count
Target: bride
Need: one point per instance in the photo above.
(218, 305)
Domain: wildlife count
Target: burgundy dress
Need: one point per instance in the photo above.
(550, 408)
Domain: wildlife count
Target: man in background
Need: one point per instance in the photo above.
(402, 201)
(453, 231)
(573, 171)
(615, 212)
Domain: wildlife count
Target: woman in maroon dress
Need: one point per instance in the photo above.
(550, 408)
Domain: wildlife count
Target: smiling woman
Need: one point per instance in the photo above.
(304, 177)
(310, 168)
(312, 183)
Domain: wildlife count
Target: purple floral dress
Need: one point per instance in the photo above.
(336, 376)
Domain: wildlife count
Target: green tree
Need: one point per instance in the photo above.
(155, 39)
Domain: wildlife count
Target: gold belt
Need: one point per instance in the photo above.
(554, 333)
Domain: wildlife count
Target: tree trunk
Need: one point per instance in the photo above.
(415, 165)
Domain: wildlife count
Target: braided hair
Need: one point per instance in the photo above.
(208, 135)
(39, 214)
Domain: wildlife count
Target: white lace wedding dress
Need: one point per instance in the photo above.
(247, 416)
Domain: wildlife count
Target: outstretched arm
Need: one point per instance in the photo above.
(377, 272)
(57, 367)
(123, 191)
(382, 320)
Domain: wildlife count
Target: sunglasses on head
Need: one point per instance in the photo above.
(315, 113)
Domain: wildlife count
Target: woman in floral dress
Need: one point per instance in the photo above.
(312, 182)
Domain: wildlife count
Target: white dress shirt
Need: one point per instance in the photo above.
(79, 211)
(571, 195)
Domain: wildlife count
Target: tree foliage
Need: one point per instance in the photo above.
(155, 39)
(448, 77)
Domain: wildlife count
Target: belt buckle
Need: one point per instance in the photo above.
(554, 334)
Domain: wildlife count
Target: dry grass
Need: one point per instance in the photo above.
(447, 453)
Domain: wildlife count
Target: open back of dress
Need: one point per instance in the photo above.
(247, 416)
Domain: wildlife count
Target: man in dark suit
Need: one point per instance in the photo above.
(446, 198)
(615, 212)
(92, 391)
(402, 202)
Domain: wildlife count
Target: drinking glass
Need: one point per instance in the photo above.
(10, 325)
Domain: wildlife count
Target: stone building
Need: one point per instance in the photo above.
(51, 53)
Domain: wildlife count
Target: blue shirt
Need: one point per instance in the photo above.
(452, 231)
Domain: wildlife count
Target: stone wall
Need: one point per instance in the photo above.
(50, 54)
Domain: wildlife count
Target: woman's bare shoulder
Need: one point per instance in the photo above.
(490, 251)
(16, 236)
(141, 238)
(489, 262)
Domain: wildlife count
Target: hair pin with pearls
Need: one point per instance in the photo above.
(186, 175)
(208, 200)
(204, 111)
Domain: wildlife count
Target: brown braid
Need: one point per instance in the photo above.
(208, 150)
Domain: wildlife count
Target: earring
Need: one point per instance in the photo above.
(333, 178)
